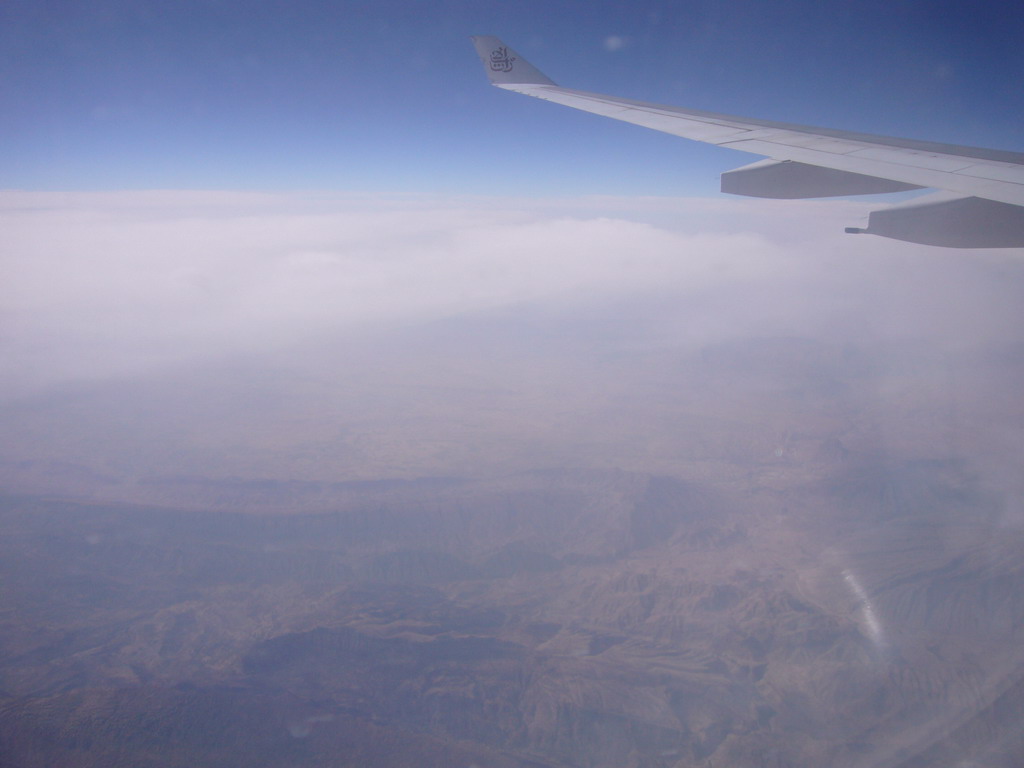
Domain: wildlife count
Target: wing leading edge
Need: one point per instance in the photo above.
(982, 200)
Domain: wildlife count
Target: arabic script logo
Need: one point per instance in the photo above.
(501, 61)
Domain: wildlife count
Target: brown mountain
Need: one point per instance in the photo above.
(569, 618)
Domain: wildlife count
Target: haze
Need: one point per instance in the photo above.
(358, 414)
(673, 480)
(334, 338)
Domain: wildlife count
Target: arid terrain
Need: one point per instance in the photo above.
(821, 566)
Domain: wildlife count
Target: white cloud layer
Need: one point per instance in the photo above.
(326, 336)
(106, 284)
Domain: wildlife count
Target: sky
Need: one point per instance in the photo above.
(388, 96)
(308, 240)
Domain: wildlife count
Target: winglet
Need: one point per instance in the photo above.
(506, 67)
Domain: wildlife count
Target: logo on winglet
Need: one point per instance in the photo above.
(501, 61)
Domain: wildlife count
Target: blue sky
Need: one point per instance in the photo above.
(389, 97)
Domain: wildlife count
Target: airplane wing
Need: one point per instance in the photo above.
(981, 204)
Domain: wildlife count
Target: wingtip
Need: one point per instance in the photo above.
(504, 66)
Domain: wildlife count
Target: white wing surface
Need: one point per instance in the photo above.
(983, 188)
